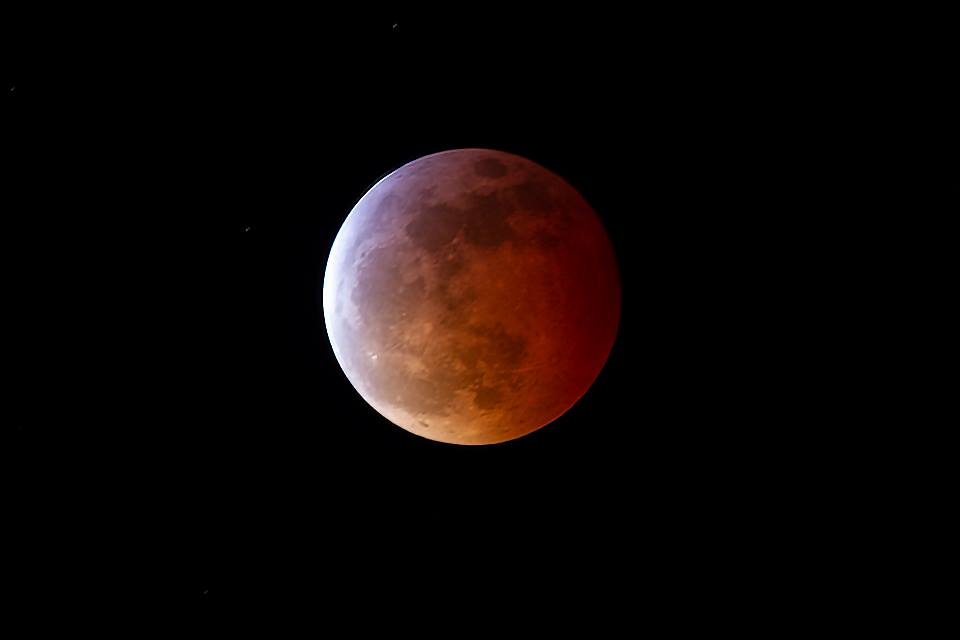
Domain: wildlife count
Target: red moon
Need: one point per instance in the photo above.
(471, 296)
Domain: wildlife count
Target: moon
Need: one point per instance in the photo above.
(471, 296)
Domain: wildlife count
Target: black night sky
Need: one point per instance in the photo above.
(182, 436)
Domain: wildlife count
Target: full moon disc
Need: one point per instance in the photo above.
(471, 296)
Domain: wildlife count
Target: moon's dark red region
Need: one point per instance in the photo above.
(471, 296)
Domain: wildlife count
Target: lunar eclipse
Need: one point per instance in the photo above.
(471, 296)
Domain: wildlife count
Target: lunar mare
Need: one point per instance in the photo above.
(471, 296)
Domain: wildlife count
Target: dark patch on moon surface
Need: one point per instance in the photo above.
(482, 218)
(487, 398)
(499, 347)
(490, 168)
(450, 265)
(485, 220)
(533, 196)
(547, 241)
(435, 226)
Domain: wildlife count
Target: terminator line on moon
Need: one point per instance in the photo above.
(471, 296)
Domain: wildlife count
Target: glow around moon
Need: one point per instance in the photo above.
(471, 296)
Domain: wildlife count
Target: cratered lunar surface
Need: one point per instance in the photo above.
(471, 296)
